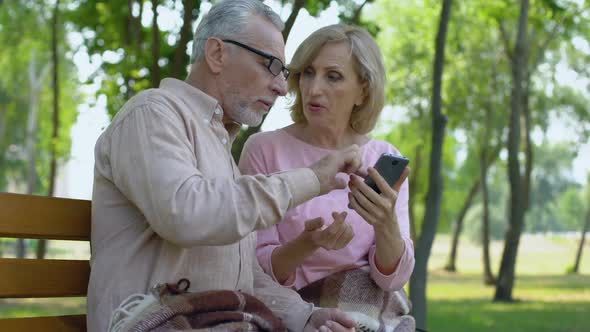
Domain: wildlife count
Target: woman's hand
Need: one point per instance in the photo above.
(286, 258)
(377, 209)
(334, 237)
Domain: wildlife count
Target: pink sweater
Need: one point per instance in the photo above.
(276, 151)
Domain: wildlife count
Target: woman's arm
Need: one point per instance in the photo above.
(379, 211)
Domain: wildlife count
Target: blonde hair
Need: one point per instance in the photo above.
(368, 63)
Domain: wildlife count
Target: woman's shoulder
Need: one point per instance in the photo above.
(265, 138)
(379, 147)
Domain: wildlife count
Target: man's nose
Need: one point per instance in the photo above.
(279, 85)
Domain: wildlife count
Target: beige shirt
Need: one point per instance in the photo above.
(169, 202)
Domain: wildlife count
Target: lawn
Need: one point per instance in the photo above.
(548, 299)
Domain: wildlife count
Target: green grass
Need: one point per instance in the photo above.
(548, 300)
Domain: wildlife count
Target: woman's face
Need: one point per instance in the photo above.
(330, 87)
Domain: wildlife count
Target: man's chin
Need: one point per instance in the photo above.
(254, 120)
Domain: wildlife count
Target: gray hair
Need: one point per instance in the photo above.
(228, 19)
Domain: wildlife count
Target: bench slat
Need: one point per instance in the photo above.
(40, 217)
(30, 278)
(73, 323)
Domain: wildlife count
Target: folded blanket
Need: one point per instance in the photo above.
(354, 292)
(170, 307)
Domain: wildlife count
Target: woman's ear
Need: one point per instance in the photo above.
(360, 99)
(215, 54)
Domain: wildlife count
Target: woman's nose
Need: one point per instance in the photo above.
(315, 87)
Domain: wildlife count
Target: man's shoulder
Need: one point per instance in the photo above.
(153, 100)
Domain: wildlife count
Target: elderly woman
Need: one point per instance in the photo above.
(337, 78)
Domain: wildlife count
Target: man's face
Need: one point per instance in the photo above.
(249, 88)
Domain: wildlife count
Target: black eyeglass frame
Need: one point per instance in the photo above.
(269, 57)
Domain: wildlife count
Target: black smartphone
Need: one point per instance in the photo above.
(390, 167)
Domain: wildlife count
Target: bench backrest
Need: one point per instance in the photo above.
(38, 217)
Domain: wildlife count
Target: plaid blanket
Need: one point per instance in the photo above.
(170, 307)
(355, 293)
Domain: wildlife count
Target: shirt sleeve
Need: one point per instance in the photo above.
(284, 302)
(405, 267)
(154, 166)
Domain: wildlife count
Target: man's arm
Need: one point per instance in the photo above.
(284, 302)
(154, 166)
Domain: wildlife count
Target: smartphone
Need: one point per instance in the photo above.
(390, 167)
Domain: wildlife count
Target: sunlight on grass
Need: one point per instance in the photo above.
(547, 298)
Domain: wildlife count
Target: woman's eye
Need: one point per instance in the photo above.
(308, 72)
(334, 76)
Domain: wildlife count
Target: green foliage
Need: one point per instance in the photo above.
(121, 36)
(25, 36)
(477, 89)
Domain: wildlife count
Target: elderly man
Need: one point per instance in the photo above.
(169, 201)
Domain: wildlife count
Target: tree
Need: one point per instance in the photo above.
(27, 138)
(42, 244)
(576, 266)
(517, 204)
(433, 198)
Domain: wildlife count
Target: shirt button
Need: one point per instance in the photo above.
(217, 111)
(224, 140)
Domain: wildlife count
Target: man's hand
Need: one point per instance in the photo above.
(347, 160)
(329, 320)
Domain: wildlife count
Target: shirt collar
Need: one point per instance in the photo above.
(197, 99)
(209, 108)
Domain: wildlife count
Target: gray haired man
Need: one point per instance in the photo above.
(168, 200)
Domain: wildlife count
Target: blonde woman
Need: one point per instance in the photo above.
(337, 78)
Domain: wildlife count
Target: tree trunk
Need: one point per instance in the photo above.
(488, 276)
(414, 183)
(576, 267)
(356, 17)
(519, 61)
(42, 244)
(297, 6)
(3, 113)
(528, 146)
(458, 226)
(181, 59)
(155, 46)
(35, 82)
(434, 196)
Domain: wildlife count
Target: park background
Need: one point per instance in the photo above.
(488, 98)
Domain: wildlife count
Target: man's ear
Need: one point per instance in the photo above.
(215, 54)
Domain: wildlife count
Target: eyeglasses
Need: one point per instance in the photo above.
(275, 66)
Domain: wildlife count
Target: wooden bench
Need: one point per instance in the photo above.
(38, 217)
